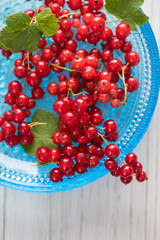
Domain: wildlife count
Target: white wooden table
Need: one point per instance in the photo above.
(104, 210)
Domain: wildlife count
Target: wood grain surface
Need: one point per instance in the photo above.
(104, 210)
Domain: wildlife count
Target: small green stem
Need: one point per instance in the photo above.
(103, 138)
(119, 20)
(33, 124)
(67, 69)
(68, 15)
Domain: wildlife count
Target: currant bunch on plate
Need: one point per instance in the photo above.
(93, 77)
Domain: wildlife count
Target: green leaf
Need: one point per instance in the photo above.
(128, 11)
(47, 22)
(19, 34)
(18, 21)
(42, 133)
(15, 41)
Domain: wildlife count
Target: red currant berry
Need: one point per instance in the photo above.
(22, 101)
(20, 71)
(97, 24)
(42, 68)
(30, 13)
(116, 172)
(132, 58)
(88, 72)
(114, 65)
(8, 129)
(112, 151)
(1, 121)
(79, 106)
(43, 154)
(106, 34)
(81, 169)
(18, 116)
(137, 167)
(10, 99)
(55, 175)
(110, 127)
(132, 84)
(126, 180)
(141, 177)
(111, 164)
(37, 93)
(32, 103)
(131, 158)
(91, 132)
(15, 87)
(66, 164)
(2, 136)
(34, 80)
(59, 37)
(70, 45)
(70, 119)
(115, 103)
(93, 161)
(96, 4)
(78, 63)
(123, 30)
(81, 158)
(104, 86)
(74, 5)
(96, 118)
(126, 171)
(23, 128)
(55, 137)
(26, 139)
(126, 47)
(8, 115)
(64, 138)
(12, 141)
(55, 154)
(43, 43)
(35, 58)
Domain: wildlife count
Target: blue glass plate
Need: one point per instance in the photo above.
(133, 120)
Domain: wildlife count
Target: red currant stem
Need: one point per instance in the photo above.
(33, 124)
(123, 163)
(43, 164)
(119, 54)
(101, 67)
(34, 17)
(25, 84)
(69, 14)
(79, 93)
(96, 126)
(28, 61)
(129, 96)
(124, 84)
(70, 70)
(13, 68)
(28, 88)
(102, 136)
(24, 60)
(119, 20)
(70, 89)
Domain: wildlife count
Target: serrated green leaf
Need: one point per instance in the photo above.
(18, 21)
(15, 41)
(43, 133)
(128, 11)
(47, 22)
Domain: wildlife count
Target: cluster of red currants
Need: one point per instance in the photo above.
(95, 72)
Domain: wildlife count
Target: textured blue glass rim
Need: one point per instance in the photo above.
(155, 62)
